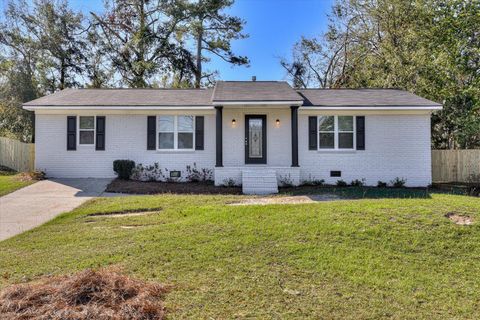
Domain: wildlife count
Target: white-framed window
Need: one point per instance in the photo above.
(336, 133)
(86, 130)
(175, 132)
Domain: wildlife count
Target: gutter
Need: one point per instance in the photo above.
(33, 108)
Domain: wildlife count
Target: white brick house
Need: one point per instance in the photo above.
(247, 132)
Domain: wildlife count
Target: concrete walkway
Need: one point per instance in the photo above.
(34, 205)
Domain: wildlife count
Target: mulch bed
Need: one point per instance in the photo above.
(472, 189)
(141, 187)
(90, 294)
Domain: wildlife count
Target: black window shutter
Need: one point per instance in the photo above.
(100, 138)
(199, 129)
(71, 133)
(312, 133)
(151, 132)
(360, 133)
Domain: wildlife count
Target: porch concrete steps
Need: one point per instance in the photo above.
(259, 181)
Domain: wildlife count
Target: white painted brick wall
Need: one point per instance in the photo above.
(396, 146)
(126, 138)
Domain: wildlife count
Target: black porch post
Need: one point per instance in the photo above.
(219, 137)
(294, 135)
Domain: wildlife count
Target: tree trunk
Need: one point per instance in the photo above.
(62, 75)
(198, 71)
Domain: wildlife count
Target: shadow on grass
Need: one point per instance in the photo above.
(367, 192)
(5, 171)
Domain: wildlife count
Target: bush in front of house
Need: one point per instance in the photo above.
(341, 183)
(229, 183)
(312, 181)
(398, 182)
(358, 183)
(286, 181)
(148, 173)
(123, 168)
(381, 184)
(193, 174)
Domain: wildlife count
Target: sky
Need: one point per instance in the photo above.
(273, 27)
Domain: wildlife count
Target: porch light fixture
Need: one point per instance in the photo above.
(234, 123)
(277, 123)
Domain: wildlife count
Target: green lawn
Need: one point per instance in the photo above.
(10, 181)
(357, 259)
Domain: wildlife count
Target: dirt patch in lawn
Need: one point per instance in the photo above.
(127, 213)
(462, 220)
(103, 294)
(142, 187)
(286, 200)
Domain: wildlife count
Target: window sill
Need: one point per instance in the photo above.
(175, 151)
(345, 151)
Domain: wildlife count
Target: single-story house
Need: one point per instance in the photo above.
(254, 133)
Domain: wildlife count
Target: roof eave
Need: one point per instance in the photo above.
(385, 107)
(257, 102)
(133, 107)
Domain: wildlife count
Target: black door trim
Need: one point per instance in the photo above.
(263, 159)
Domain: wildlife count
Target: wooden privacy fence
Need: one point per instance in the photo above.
(456, 165)
(17, 155)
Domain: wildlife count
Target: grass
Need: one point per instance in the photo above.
(11, 181)
(394, 258)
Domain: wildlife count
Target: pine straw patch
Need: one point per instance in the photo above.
(102, 294)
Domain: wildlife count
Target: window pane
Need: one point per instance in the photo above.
(87, 122)
(185, 140)
(345, 123)
(86, 137)
(165, 123)
(327, 141)
(165, 140)
(345, 140)
(185, 123)
(326, 123)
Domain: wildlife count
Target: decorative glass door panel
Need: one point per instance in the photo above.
(255, 139)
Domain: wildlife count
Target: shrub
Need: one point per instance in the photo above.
(230, 183)
(285, 181)
(358, 183)
(398, 182)
(198, 175)
(313, 182)
(147, 173)
(381, 184)
(341, 183)
(37, 175)
(123, 168)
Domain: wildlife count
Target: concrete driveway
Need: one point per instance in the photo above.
(34, 205)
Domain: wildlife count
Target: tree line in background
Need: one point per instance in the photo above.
(428, 47)
(46, 46)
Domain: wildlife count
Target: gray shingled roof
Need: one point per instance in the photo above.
(126, 97)
(232, 91)
(237, 91)
(363, 97)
